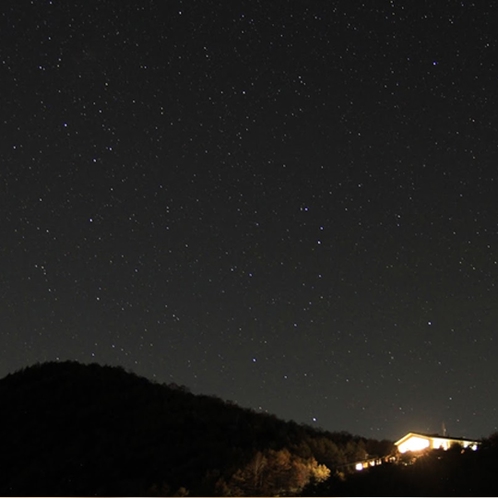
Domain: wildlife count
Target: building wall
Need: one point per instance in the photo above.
(414, 443)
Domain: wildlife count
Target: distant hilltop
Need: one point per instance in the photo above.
(73, 429)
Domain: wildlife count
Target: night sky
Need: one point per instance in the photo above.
(292, 205)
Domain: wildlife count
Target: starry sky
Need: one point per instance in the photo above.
(287, 204)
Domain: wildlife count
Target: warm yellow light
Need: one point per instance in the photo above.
(359, 466)
(441, 443)
(414, 444)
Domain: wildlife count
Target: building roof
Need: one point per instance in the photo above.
(434, 436)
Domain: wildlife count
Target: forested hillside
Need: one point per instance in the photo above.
(72, 429)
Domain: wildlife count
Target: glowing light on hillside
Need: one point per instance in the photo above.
(414, 444)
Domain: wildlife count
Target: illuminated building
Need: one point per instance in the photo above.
(415, 441)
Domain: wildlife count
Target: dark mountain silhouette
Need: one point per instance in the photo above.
(73, 429)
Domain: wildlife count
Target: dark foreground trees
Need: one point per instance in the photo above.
(455, 472)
